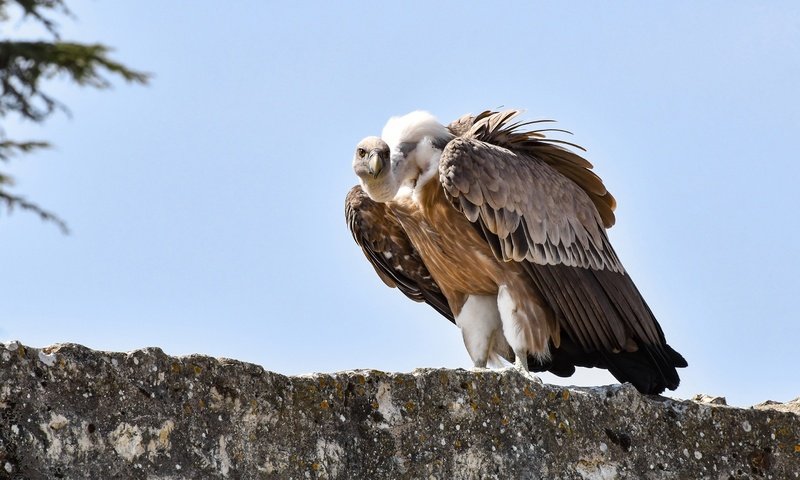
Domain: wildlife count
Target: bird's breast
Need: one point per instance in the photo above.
(458, 259)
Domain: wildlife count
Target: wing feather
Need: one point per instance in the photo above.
(556, 206)
(539, 204)
(387, 247)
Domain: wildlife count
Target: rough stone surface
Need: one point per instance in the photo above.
(70, 412)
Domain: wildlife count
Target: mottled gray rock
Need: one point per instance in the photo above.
(70, 412)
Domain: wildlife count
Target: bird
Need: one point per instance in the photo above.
(502, 230)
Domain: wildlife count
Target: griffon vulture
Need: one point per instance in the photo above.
(502, 231)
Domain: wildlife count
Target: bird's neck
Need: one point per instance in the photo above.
(425, 157)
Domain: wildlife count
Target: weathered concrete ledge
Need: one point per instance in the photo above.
(70, 412)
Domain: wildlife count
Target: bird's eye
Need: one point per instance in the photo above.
(361, 152)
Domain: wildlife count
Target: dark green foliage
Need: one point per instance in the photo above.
(24, 65)
(34, 8)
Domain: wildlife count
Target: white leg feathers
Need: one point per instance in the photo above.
(492, 324)
(522, 328)
(481, 328)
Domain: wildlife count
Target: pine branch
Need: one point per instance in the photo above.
(13, 201)
(32, 8)
(23, 67)
(10, 148)
(24, 64)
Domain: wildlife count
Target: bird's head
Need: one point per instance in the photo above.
(372, 164)
(406, 154)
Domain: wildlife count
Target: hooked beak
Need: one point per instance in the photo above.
(375, 164)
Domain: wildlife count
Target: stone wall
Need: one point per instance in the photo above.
(70, 412)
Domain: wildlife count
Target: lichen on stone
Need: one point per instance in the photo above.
(71, 412)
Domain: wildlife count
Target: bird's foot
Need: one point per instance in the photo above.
(521, 366)
(479, 365)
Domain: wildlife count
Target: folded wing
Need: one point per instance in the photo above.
(387, 247)
(540, 204)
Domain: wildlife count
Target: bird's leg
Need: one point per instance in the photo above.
(521, 361)
(479, 321)
(478, 346)
(517, 329)
(520, 366)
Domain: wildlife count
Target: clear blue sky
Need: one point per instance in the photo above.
(207, 208)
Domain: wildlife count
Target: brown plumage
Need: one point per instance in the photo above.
(388, 249)
(508, 228)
